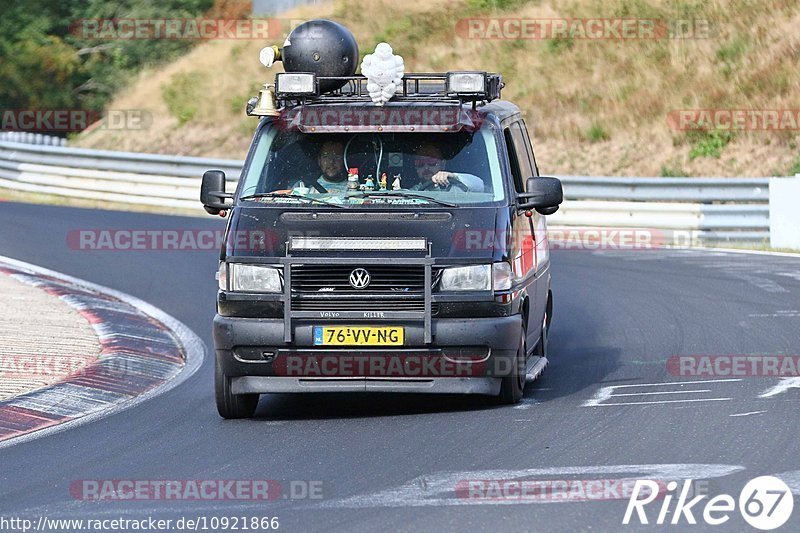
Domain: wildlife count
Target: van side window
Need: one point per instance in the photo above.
(522, 150)
(530, 148)
(512, 159)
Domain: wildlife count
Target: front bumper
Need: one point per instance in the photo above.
(264, 384)
(495, 339)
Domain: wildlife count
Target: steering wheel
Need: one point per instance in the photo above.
(429, 185)
(377, 150)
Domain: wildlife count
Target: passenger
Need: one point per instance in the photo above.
(333, 177)
(430, 168)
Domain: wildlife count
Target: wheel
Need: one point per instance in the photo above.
(512, 386)
(231, 405)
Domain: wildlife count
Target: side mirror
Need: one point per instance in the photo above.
(543, 194)
(212, 192)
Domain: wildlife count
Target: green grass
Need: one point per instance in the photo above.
(708, 143)
(795, 168)
(596, 133)
(560, 45)
(483, 5)
(730, 54)
(181, 95)
(668, 171)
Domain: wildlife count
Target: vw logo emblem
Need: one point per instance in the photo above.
(359, 278)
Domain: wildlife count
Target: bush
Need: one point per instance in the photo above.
(49, 63)
(482, 5)
(181, 95)
(673, 172)
(795, 168)
(597, 133)
(560, 44)
(709, 144)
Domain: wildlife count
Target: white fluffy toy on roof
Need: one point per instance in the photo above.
(384, 72)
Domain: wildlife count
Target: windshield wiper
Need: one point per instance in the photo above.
(404, 194)
(290, 195)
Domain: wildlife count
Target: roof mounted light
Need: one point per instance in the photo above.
(294, 89)
(466, 83)
(295, 84)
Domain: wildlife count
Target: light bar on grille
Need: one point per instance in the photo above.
(356, 244)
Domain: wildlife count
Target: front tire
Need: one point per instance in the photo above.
(231, 405)
(512, 386)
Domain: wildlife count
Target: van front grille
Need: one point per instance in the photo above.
(384, 279)
(363, 305)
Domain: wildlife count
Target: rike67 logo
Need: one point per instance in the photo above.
(765, 503)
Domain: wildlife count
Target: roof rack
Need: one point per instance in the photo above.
(457, 87)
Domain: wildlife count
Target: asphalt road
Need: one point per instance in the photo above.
(393, 462)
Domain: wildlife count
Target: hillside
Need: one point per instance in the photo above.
(593, 106)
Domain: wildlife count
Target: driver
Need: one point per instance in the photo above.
(333, 177)
(430, 168)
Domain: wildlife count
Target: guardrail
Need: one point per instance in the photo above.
(713, 209)
(126, 177)
(32, 138)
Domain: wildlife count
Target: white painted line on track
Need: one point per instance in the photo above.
(790, 313)
(601, 397)
(677, 383)
(782, 386)
(791, 478)
(526, 403)
(748, 414)
(661, 392)
(667, 401)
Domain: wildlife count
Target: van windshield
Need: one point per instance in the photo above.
(364, 169)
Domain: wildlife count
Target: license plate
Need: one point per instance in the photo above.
(358, 336)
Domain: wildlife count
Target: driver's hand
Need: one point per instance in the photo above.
(442, 178)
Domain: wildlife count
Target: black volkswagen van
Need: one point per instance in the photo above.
(398, 248)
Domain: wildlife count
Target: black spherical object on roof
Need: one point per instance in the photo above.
(324, 47)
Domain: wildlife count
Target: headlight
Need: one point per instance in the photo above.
(469, 278)
(254, 278)
(502, 276)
